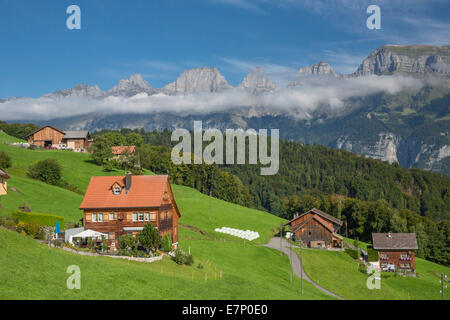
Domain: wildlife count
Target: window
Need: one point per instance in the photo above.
(147, 216)
(153, 216)
(100, 217)
(116, 190)
(94, 217)
(111, 216)
(134, 216)
(141, 216)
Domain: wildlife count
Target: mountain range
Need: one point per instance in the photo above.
(409, 126)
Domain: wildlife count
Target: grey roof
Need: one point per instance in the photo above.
(394, 241)
(76, 134)
(71, 232)
(320, 213)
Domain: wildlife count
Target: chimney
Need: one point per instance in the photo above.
(128, 181)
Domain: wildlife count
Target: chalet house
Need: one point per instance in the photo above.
(396, 249)
(119, 152)
(316, 229)
(120, 205)
(49, 136)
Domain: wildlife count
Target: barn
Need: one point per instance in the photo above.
(50, 136)
(316, 229)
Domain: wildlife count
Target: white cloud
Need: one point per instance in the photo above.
(295, 100)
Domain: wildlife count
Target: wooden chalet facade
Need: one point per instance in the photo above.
(49, 136)
(396, 249)
(120, 205)
(316, 229)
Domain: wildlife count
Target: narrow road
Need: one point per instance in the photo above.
(274, 243)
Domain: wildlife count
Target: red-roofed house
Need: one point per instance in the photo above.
(119, 205)
(316, 229)
(123, 150)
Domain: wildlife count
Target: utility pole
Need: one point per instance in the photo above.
(290, 258)
(301, 262)
(281, 238)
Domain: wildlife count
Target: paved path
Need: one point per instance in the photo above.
(295, 263)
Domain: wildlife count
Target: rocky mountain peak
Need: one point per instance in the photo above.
(130, 87)
(198, 80)
(80, 90)
(412, 59)
(321, 68)
(257, 82)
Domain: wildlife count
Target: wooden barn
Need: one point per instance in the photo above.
(396, 249)
(120, 205)
(49, 136)
(316, 229)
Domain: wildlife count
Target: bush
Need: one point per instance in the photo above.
(372, 255)
(8, 222)
(182, 258)
(200, 266)
(32, 229)
(47, 170)
(5, 160)
(167, 243)
(355, 254)
(149, 237)
(362, 267)
(43, 218)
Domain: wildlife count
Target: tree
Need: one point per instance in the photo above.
(134, 139)
(5, 160)
(101, 150)
(149, 237)
(47, 170)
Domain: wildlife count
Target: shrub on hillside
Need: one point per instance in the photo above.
(362, 267)
(43, 218)
(8, 222)
(182, 258)
(149, 237)
(29, 228)
(167, 243)
(355, 254)
(5, 160)
(47, 170)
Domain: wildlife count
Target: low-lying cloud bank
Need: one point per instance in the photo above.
(298, 100)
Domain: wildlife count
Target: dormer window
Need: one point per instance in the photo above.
(117, 190)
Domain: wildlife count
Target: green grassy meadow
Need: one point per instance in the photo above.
(344, 278)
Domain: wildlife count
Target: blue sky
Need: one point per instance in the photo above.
(159, 39)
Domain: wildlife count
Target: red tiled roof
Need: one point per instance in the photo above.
(145, 192)
(123, 149)
(318, 219)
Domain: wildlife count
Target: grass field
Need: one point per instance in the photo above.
(344, 278)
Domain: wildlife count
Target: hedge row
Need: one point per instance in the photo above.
(372, 255)
(43, 218)
(355, 254)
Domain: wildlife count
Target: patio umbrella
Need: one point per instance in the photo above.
(57, 230)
